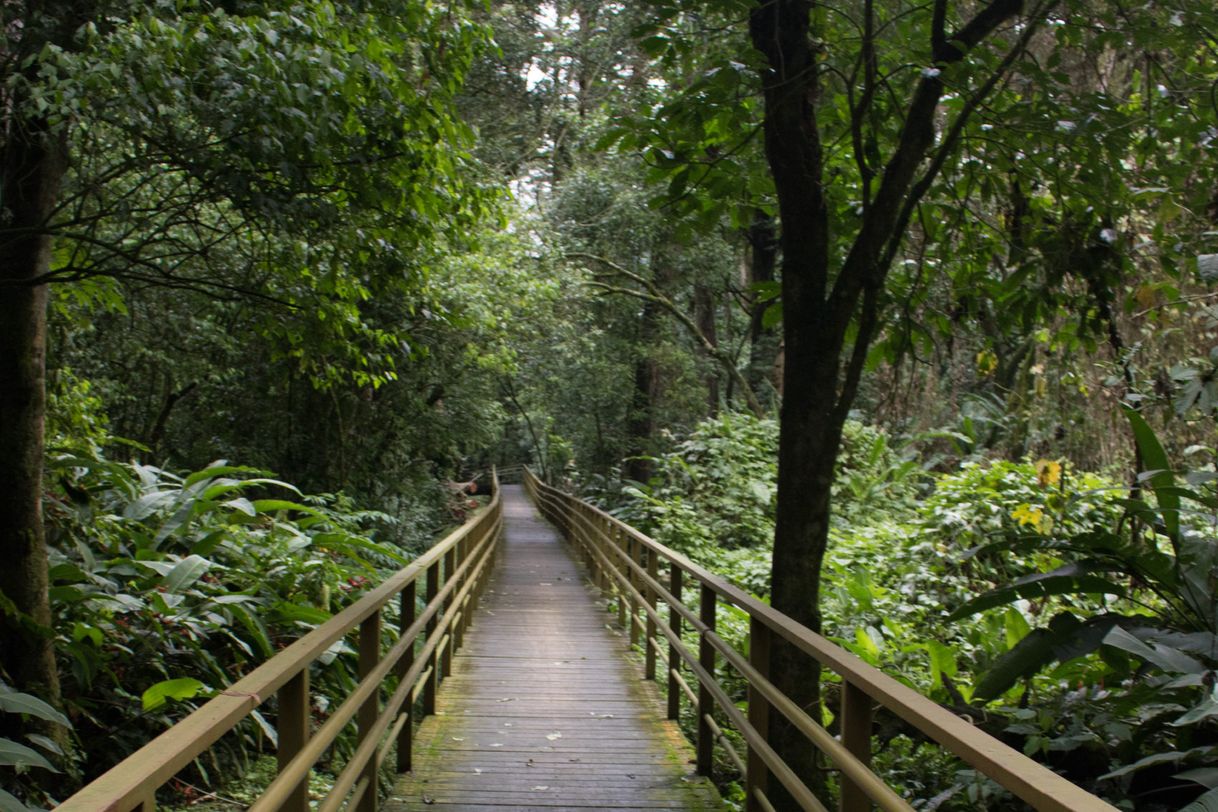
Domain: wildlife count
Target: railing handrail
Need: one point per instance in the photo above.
(132, 783)
(1027, 779)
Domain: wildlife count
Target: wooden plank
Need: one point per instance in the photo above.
(543, 696)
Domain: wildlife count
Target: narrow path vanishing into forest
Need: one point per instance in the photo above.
(543, 709)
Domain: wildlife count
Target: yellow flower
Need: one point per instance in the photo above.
(1048, 473)
(1033, 517)
(1027, 515)
(987, 363)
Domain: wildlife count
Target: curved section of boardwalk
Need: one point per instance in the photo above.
(543, 710)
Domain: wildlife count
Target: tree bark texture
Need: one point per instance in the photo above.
(641, 421)
(33, 163)
(704, 309)
(823, 300)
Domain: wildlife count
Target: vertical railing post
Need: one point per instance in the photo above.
(618, 542)
(369, 656)
(606, 539)
(433, 679)
(674, 658)
(293, 730)
(634, 554)
(758, 774)
(649, 646)
(706, 702)
(856, 736)
(466, 608)
(406, 617)
(446, 657)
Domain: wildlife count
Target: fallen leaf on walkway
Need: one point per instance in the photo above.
(554, 736)
(540, 788)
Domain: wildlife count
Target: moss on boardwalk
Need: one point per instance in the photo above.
(544, 710)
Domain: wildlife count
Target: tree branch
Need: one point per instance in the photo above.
(651, 293)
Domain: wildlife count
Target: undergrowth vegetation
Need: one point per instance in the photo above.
(1067, 616)
(166, 587)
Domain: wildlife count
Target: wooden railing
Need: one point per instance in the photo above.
(450, 577)
(642, 577)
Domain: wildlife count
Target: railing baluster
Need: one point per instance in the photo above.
(433, 679)
(602, 542)
(369, 656)
(757, 774)
(406, 737)
(635, 551)
(706, 702)
(446, 658)
(675, 577)
(649, 658)
(618, 542)
(856, 736)
(293, 730)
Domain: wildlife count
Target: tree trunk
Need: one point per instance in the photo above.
(704, 312)
(641, 422)
(33, 163)
(763, 341)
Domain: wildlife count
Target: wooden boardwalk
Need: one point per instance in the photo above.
(543, 710)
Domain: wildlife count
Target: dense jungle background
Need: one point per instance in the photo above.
(903, 316)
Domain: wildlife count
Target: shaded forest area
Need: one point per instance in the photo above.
(901, 315)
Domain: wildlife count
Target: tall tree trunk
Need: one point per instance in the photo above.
(763, 341)
(823, 305)
(704, 314)
(641, 420)
(33, 163)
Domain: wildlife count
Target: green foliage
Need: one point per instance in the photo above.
(712, 496)
(166, 588)
(21, 759)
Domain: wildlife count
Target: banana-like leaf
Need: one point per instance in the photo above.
(1065, 638)
(1069, 579)
(1166, 658)
(9, 803)
(13, 754)
(14, 702)
(1206, 803)
(1155, 460)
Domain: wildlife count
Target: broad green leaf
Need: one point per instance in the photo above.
(9, 803)
(218, 469)
(1157, 464)
(1164, 657)
(13, 702)
(162, 692)
(243, 505)
(13, 754)
(1206, 803)
(1152, 760)
(186, 572)
(301, 614)
(148, 504)
(1070, 579)
(1206, 709)
(1205, 776)
(1064, 639)
(275, 505)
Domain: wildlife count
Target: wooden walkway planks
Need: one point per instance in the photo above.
(543, 710)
